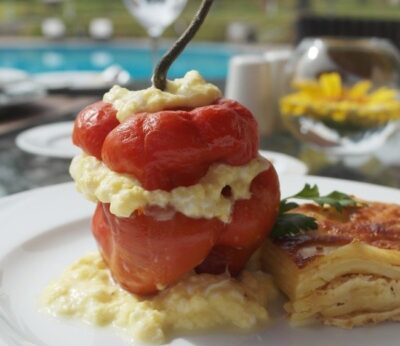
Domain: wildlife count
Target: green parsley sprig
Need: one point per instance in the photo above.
(293, 223)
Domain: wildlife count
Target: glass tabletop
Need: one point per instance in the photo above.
(21, 171)
(380, 167)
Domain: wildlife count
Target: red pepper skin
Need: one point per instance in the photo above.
(92, 125)
(168, 149)
(142, 251)
(252, 220)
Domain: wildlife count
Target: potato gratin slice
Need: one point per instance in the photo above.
(347, 272)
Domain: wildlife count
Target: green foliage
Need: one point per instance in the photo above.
(274, 24)
(293, 223)
(335, 199)
(77, 15)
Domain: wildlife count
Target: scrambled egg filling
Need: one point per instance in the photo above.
(190, 91)
(198, 302)
(202, 200)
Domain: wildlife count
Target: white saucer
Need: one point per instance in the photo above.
(52, 140)
(17, 88)
(285, 164)
(84, 80)
(72, 80)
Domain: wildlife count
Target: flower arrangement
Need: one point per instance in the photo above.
(329, 101)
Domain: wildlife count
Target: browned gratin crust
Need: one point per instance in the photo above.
(376, 224)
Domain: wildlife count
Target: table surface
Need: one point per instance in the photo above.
(21, 171)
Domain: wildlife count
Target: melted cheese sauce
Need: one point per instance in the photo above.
(199, 302)
(190, 91)
(202, 200)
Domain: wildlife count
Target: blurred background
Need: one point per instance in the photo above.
(40, 36)
(270, 21)
(321, 77)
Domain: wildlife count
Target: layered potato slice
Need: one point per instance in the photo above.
(347, 272)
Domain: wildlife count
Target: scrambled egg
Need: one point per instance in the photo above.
(202, 200)
(189, 91)
(198, 302)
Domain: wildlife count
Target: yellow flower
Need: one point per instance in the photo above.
(359, 90)
(327, 99)
(383, 95)
(331, 85)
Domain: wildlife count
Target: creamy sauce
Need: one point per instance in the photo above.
(199, 302)
(202, 200)
(190, 91)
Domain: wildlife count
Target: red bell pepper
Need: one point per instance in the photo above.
(164, 150)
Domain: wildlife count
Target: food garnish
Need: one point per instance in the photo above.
(292, 223)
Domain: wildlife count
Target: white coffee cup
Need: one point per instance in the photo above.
(255, 81)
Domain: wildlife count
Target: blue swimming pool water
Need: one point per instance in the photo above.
(210, 59)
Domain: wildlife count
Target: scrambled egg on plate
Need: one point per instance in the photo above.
(198, 302)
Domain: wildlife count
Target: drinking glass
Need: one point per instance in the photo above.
(155, 16)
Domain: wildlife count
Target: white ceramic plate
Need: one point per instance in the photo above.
(83, 80)
(45, 230)
(17, 87)
(285, 164)
(52, 140)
